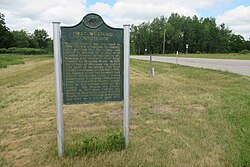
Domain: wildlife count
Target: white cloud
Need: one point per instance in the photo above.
(238, 20)
(37, 14)
(134, 12)
(137, 11)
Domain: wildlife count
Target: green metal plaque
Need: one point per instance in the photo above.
(92, 62)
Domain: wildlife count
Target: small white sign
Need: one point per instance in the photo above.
(186, 45)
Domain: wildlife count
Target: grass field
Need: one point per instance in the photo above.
(210, 56)
(182, 117)
(12, 59)
(6, 60)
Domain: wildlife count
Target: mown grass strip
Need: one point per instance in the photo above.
(232, 93)
(182, 117)
(28, 75)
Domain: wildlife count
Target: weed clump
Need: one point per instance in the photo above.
(88, 144)
(244, 51)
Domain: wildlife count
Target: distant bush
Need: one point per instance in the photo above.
(198, 52)
(3, 50)
(244, 52)
(26, 51)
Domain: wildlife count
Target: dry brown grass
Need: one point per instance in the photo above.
(176, 119)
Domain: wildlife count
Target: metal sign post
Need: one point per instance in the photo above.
(126, 84)
(186, 48)
(58, 82)
(151, 67)
(150, 58)
(177, 53)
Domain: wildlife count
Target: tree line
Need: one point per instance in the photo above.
(22, 38)
(168, 35)
(162, 35)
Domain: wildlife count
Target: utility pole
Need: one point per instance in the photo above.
(164, 41)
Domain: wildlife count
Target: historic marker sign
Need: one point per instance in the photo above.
(92, 62)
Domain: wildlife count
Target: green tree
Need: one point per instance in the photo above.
(224, 37)
(41, 37)
(50, 45)
(22, 39)
(247, 45)
(202, 35)
(157, 29)
(6, 37)
(237, 43)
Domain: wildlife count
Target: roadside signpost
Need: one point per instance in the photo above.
(152, 70)
(177, 53)
(91, 61)
(186, 48)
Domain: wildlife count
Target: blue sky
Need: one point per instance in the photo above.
(231, 4)
(223, 8)
(30, 15)
(92, 2)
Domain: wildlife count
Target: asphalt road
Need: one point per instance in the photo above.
(235, 66)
